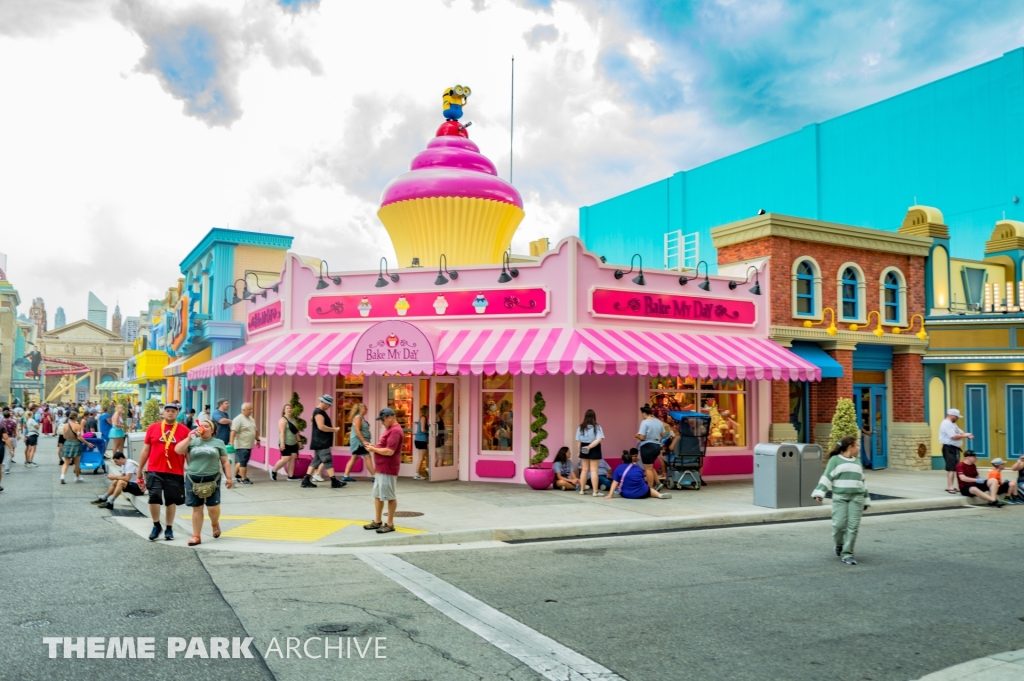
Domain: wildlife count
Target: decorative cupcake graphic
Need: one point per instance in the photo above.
(480, 304)
(440, 304)
(365, 307)
(402, 306)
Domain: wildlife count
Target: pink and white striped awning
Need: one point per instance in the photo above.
(295, 353)
(611, 351)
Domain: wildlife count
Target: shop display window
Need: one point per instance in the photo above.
(497, 414)
(348, 392)
(723, 400)
(400, 398)
(259, 404)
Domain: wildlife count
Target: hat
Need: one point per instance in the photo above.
(953, 412)
(169, 405)
(997, 462)
(970, 452)
(384, 413)
(327, 399)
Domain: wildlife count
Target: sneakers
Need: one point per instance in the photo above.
(306, 482)
(849, 560)
(32, 464)
(336, 484)
(109, 505)
(660, 486)
(156, 531)
(996, 503)
(317, 478)
(416, 477)
(665, 495)
(273, 475)
(62, 479)
(347, 478)
(839, 550)
(238, 478)
(168, 533)
(582, 491)
(99, 502)
(79, 479)
(246, 481)
(294, 478)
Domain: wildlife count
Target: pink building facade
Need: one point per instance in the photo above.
(471, 352)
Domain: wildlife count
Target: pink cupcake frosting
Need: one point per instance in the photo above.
(450, 166)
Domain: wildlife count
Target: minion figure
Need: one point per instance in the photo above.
(454, 99)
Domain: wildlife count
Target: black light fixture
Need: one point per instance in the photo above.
(383, 269)
(639, 278)
(706, 284)
(760, 211)
(321, 285)
(245, 289)
(415, 263)
(442, 270)
(508, 273)
(755, 289)
(234, 296)
(603, 259)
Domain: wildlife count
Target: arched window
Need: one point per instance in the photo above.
(851, 280)
(891, 298)
(805, 289)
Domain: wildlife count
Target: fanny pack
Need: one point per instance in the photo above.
(204, 490)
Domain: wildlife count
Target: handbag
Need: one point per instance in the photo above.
(204, 490)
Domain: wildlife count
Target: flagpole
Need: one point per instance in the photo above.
(511, 119)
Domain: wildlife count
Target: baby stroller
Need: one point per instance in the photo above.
(684, 462)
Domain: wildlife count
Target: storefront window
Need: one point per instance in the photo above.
(723, 400)
(259, 404)
(400, 399)
(497, 413)
(348, 391)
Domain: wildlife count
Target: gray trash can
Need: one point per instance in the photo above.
(811, 469)
(134, 443)
(776, 476)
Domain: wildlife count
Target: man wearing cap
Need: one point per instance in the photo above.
(386, 460)
(320, 443)
(951, 438)
(973, 485)
(166, 479)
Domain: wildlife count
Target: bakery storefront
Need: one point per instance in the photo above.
(471, 352)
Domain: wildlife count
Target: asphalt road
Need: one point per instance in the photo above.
(771, 602)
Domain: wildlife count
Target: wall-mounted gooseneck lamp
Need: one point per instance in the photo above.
(263, 289)
(234, 296)
(508, 273)
(704, 285)
(442, 270)
(639, 278)
(320, 285)
(382, 270)
(755, 289)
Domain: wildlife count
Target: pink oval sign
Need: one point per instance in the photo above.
(393, 347)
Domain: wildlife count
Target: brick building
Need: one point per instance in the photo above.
(850, 300)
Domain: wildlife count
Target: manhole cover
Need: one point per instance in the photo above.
(125, 512)
(332, 628)
(140, 614)
(407, 514)
(35, 624)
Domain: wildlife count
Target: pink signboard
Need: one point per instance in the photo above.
(474, 303)
(266, 317)
(393, 347)
(606, 302)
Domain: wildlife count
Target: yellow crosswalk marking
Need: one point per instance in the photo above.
(291, 528)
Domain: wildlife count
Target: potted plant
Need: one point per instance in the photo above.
(535, 476)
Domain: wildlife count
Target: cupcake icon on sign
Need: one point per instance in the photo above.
(440, 304)
(364, 307)
(480, 304)
(402, 306)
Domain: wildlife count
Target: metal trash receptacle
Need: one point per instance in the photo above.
(776, 475)
(809, 455)
(134, 443)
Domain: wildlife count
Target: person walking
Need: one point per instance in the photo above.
(320, 443)
(951, 438)
(589, 435)
(32, 431)
(164, 469)
(207, 458)
(117, 429)
(387, 461)
(244, 439)
(11, 426)
(287, 443)
(358, 440)
(844, 477)
(221, 421)
(5, 444)
(421, 442)
(650, 433)
(72, 451)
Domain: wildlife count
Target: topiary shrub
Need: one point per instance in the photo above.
(151, 412)
(844, 422)
(537, 428)
(297, 416)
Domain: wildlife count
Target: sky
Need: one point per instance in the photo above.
(132, 127)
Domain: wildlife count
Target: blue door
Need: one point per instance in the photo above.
(871, 418)
(976, 401)
(1014, 421)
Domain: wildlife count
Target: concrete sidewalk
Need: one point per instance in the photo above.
(281, 512)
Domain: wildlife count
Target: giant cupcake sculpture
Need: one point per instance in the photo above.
(451, 201)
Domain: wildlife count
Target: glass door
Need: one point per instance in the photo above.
(401, 397)
(444, 429)
(871, 419)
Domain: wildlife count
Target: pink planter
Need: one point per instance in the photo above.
(539, 478)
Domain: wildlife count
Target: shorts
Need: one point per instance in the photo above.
(649, 452)
(3, 452)
(359, 451)
(966, 489)
(71, 450)
(31, 440)
(167, 489)
(384, 487)
(421, 444)
(593, 455)
(192, 501)
(951, 455)
(322, 456)
(242, 457)
(290, 450)
(133, 488)
(60, 441)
